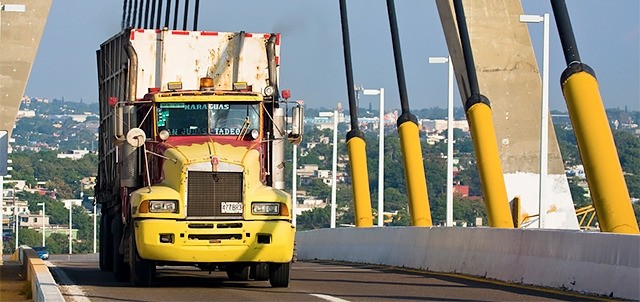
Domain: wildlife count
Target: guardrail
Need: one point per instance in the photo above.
(43, 286)
(587, 262)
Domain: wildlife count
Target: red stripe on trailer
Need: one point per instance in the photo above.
(277, 60)
(209, 33)
(247, 35)
(132, 35)
(180, 32)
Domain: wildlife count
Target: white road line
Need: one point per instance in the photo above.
(69, 291)
(329, 298)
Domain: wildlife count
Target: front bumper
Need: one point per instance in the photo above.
(214, 241)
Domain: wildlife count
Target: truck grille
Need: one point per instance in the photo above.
(207, 191)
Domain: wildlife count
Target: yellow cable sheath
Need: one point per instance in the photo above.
(414, 174)
(360, 181)
(489, 167)
(599, 155)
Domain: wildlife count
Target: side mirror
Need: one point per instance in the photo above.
(297, 125)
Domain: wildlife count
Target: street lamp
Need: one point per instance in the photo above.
(334, 166)
(379, 92)
(17, 217)
(70, 226)
(544, 121)
(294, 185)
(42, 204)
(94, 226)
(442, 60)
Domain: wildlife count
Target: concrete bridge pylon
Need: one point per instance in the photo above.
(20, 34)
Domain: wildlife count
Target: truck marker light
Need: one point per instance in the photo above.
(242, 86)
(174, 86)
(113, 101)
(206, 83)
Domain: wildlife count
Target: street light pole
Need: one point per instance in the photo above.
(43, 207)
(544, 121)
(334, 166)
(294, 185)
(442, 60)
(70, 227)
(16, 222)
(94, 226)
(379, 92)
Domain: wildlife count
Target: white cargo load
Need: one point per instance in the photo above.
(186, 56)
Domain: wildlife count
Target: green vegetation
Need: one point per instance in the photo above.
(465, 209)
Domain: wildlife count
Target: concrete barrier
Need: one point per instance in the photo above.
(587, 262)
(43, 286)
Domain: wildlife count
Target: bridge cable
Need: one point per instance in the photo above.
(478, 111)
(593, 134)
(355, 137)
(409, 137)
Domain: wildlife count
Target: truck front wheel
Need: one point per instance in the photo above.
(142, 271)
(120, 267)
(279, 274)
(106, 258)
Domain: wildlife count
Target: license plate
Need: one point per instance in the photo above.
(231, 207)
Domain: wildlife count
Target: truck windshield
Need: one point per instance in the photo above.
(208, 118)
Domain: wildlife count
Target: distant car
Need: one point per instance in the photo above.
(43, 253)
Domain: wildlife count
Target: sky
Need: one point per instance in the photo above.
(312, 62)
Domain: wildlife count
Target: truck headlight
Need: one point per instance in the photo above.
(163, 206)
(265, 208)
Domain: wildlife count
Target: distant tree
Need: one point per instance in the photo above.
(633, 185)
(29, 237)
(578, 194)
(394, 200)
(315, 219)
(402, 218)
(628, 146)
(58, 243)
(468, 210)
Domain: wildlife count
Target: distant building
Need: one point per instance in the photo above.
(438, 126)
(74, 154)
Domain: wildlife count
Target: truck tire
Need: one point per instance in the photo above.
(260, 272)
(279, 274)
(238, 272)
(120, 267)
(142, 271)
(106, 258)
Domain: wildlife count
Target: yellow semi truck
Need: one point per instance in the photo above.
(191, 172)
